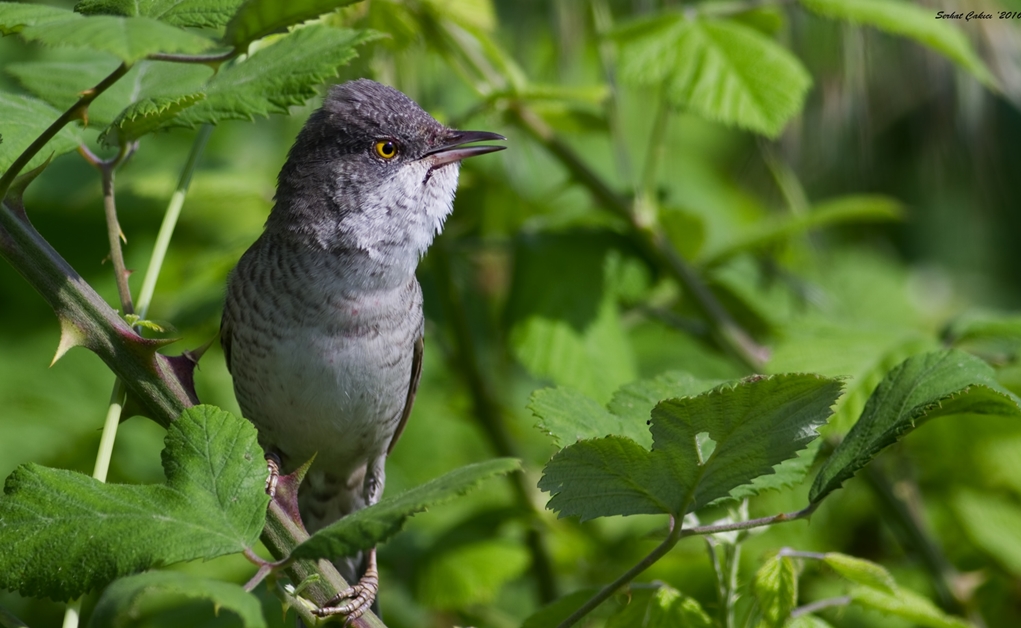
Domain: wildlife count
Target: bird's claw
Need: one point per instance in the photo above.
(273, 466)
(357, 599)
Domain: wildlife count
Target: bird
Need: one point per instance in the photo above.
(322, 327)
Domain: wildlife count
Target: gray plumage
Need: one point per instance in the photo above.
(322, 326)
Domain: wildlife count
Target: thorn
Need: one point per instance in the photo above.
(70, 336)
(17, 189)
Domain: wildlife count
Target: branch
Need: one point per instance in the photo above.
(751, 523)
(819, 605)
(76, 111)
(206, 59)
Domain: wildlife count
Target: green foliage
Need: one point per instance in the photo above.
(552, 614)
(128, 38)
(121, 604)
(923, 387)
(15, 16)
(144, 117)
(23, 120)
(470, 574)
(370, 526)
(276, 77)
(66, 533)
(904, 18)
(718, 69)
(662, 607)
(200, 13)
(862, 572)
(776, 590)
(703, 448)
(991, 523)
(906, 605)
(257, 18)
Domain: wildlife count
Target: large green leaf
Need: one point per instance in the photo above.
(128, 38)
(200, 13)
(121, 603)
(276, 77)
(370, 526)
(861, 571)
(662, 607)
(65, 533)
(923, 387)
(14, 16)
(904, 18)
(59, 82)
(24, 119)
(718, 69)
(906, 604)
(257, 18)
(704, 447)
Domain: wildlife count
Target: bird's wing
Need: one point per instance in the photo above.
(225, 334)
(416, 375)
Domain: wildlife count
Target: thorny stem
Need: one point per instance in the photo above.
(489, 414)
(77, 110)
(604, 594)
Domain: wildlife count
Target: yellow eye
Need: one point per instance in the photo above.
(386, 149)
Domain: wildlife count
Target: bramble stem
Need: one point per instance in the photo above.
(77, 110)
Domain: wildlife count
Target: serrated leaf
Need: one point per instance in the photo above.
(127, 38)
(861, 571)
(470, 574)
(843, 210)
(255, 19)
(903, 18)
(704, 448)
(370, 526)
(721, 70)
(635, 401)
(569, 416)
(66, 533)
(662, 607)
(146, 116)
(120, 604)
(276, 77)
(923, 387)
(907, 605)
(776, 590)
(23, 120)
(59, 82)
(197, 13)
(992, 523)
(14, 16)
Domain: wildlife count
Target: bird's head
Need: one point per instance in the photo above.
(371, 172)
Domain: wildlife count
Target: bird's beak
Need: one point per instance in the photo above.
(454, 150)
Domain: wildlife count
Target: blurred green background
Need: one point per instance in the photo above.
(532, 284)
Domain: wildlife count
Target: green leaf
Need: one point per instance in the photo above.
(807, 621)
(569, 416)
(67, 533)
(704, 448)
(907, 605)
(122, 601)
(663, 607)
(370, 526)
(843, 210)
(634, 402)
(992, 524)
(562, 311)
(776, 590)
(257, 18)
(470, 574)
(198, 13)
(24, 119)
(908, 20)
(59, 82)
(144, 117)
(14, 16)
(861, 571)
(923, 387)
(718, 69)
(276, 77)
(128, 38)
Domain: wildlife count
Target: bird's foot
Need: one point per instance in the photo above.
(354, 601)
(273, 466)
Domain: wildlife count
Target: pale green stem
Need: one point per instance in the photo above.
(173, 212)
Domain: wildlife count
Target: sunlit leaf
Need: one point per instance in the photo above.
(146, 116)
(24, 119)
(776, 590)
(257, 18)
(128, 38)
(662, 607)
(861, 571)
(908, 605)
(200, 13)
(14, 16)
